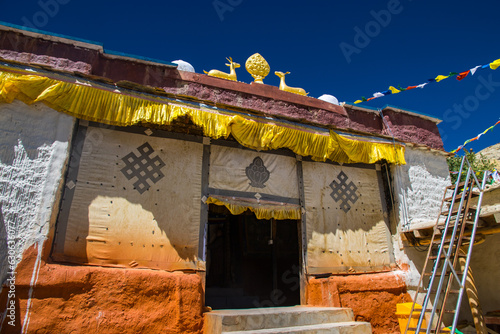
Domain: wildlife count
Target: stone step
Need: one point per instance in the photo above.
(238, 302)
(350, 327)
(275, 317)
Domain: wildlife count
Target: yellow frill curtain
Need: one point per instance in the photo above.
(93, 102)
(262, 210)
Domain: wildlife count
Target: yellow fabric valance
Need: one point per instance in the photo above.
(94, 102)
(262, 210)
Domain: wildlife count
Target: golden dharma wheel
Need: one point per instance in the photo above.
(258, 67)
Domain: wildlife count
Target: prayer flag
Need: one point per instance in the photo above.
(459, 75)
(495, 64)
(474, 69)
(440, 77)
(394, 90)
(463, 75)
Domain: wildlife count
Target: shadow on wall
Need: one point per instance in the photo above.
(417, 256)
(129, 200)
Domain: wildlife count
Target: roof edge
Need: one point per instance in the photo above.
(396, 109)
(413, 113)
(92, 45)
(54, 37)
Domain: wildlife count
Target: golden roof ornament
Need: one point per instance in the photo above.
(284, 87)
(258, 67)
(223, 75)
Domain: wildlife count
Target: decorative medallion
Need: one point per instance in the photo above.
(258, 67)
(344, 192)
(144, 167)
(257, 173)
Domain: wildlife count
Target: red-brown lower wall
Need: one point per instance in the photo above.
(372, 297)
(84, 299)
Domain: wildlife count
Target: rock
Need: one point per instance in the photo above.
(492, 153)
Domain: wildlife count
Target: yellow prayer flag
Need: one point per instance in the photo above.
(495, 64)
(357, 101)
(394, 90)
(441, 77)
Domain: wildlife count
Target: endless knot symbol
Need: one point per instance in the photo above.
(257, 173)
(344, 192)
(143, 167)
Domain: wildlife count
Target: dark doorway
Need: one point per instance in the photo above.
(251, 262)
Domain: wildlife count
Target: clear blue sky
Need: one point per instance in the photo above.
(345, 48)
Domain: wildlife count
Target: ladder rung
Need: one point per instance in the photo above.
(459, 196)
(434, 257)
(439, 310)
(450, 226)
(429, 310)
(438, 241)
(433, 291)
(422, 330)
(452, 186)
(446, 274)
(455, 211)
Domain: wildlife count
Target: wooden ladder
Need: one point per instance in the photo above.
(444, 272)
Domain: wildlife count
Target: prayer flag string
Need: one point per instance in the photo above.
(459, 75)
(475, 138)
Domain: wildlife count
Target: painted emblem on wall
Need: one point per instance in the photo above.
(143, 167)
(344, 192)
(257, 173)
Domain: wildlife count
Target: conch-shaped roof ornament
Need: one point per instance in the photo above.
(258, 67)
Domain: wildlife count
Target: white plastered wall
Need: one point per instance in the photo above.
(33, 152)
(418, 191)
(418, 188)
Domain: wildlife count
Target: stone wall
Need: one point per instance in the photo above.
(372, 297)
(91, 299)
(57, 298)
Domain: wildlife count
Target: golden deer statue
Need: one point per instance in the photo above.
(284, 87)
(223, 75)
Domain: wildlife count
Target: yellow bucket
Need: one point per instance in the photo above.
(403, 313)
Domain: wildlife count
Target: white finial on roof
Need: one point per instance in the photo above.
(184, 66)
(329, 98)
